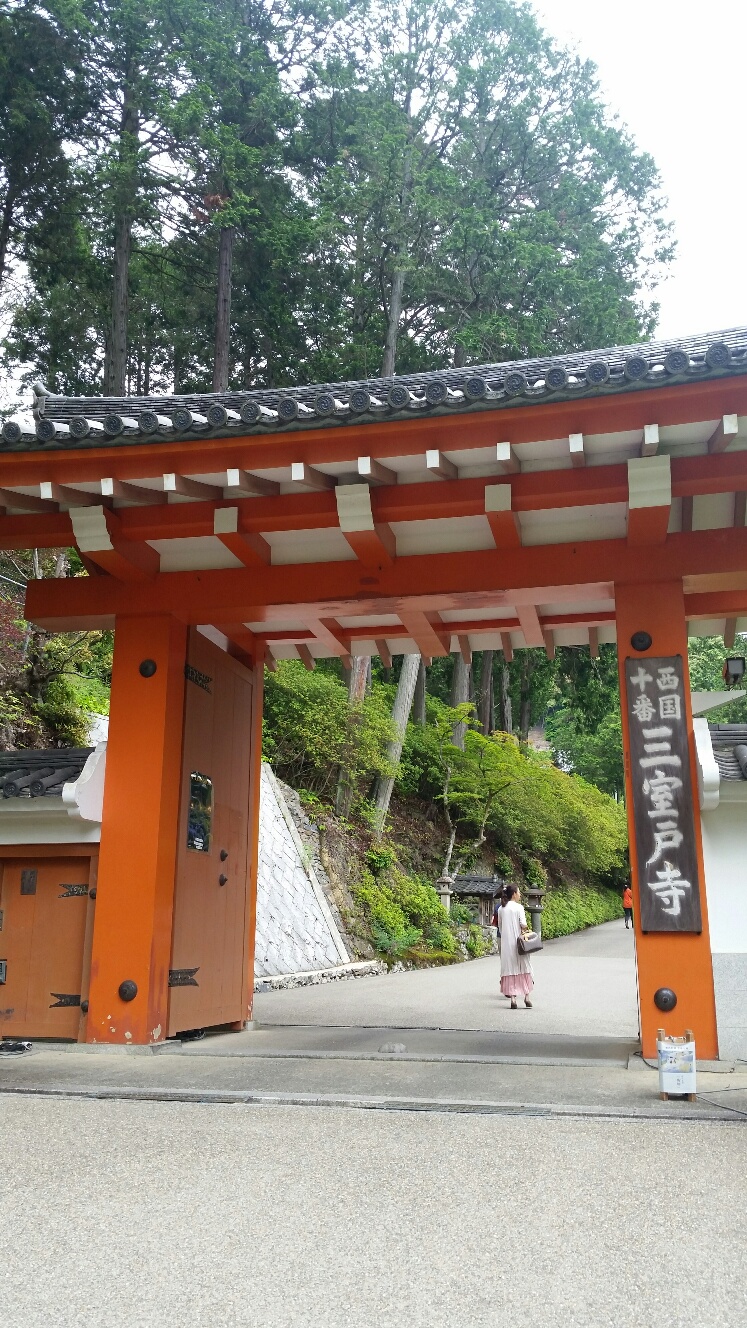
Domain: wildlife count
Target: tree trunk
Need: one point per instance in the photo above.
(486, 692)
(506, 716)
(420, 689)
(525, 705)
(400, 715)
(392, 327)
(222, 361)
(5, 225)
(115, 364)
(356, 695)
(459, 694)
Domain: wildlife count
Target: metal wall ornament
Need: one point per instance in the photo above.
(668, 878)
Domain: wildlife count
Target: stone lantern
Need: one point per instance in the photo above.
(534, 897)
(445, 887)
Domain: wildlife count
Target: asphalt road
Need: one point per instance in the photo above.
(585, 985)
(118, 1213)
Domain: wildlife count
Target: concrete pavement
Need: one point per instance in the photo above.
(164, 1214)
(585, 986)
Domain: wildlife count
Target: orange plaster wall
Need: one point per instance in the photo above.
(681, 961)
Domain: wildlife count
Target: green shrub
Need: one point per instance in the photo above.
(461, 914)
(380, 858)
(476, 945)
(570, 908)
(61, 713)
(440, 937)
(534, 873)
(503, 865)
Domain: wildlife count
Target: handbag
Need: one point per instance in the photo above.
(528, 942)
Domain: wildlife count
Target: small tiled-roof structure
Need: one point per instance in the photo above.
(729, 742)
(37, 774)
(79, 422)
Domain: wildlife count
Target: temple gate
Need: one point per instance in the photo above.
(575, 500)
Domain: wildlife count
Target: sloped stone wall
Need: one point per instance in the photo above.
(296, 929)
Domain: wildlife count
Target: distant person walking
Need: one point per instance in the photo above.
(517, 978)
(628, 906)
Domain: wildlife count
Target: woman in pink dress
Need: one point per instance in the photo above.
(517, 978)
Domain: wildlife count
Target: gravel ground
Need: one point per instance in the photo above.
(168, 1214)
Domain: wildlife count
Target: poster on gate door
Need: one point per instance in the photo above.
(668, 886)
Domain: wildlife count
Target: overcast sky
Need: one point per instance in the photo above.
(674, 72)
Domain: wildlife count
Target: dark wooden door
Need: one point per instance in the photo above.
(210, 906)
(45, 906)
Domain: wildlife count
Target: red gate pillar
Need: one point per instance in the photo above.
(137, 861)
(680, 960)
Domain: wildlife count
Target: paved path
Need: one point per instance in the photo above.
(140, 1214)
(585, 986)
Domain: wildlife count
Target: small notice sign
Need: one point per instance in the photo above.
(668, 880)
(676, 1057)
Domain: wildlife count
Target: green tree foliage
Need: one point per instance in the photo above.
(43, 102)
(303, 190)
(310, 730)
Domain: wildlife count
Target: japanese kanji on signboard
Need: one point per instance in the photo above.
(668, 881)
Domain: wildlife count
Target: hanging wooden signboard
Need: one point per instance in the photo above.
(668, 887)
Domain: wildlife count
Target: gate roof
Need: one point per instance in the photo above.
(479, 508)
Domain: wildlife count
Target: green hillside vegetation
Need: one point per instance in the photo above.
(513, 811)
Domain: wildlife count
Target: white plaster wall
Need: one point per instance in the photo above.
(725, 858)
(296, 932)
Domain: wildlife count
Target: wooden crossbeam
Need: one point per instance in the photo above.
(98, 535)
(430, 635)
(507, 458)
(437, 464)
(180, 486)
(576, 449)
(372, 542)
(67, 496)
(250, 549)
(242, 643)
(650, 444)
(375, 472)
(530, 624)
(329, 632)
(26, 502)
(306, 657)
(135, 493)
(502, 519)
(724, 434)
(384, 652)
(241, 484)
(306, 477)
(649, 500)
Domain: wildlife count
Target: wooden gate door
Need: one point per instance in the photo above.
(46, 914)
(207, 977)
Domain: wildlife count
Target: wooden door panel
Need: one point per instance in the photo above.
(43, 936)
(209, 917)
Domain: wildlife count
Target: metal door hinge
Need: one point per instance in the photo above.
(183, 977)
(3, 970)
(70, 891)
(63, 998)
